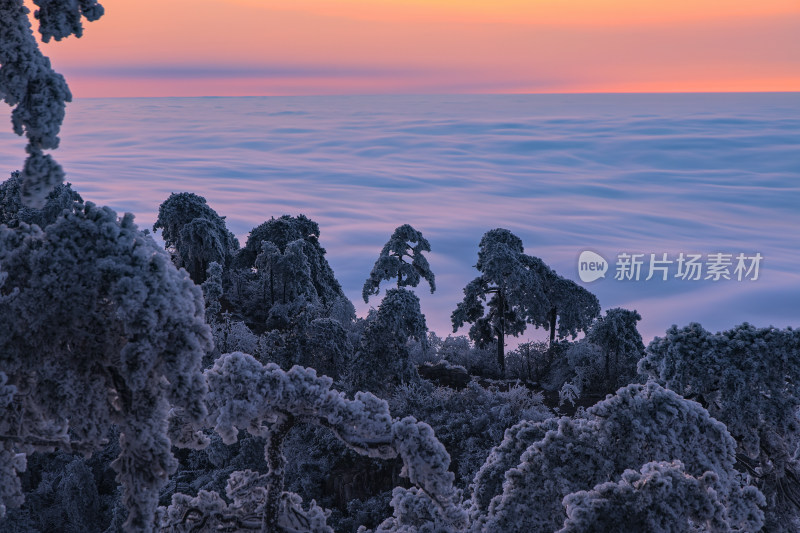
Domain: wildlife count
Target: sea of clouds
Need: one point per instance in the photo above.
(649, 174)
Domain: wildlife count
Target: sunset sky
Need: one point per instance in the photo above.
(265, 47)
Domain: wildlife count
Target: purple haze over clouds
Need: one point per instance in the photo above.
(673, 173)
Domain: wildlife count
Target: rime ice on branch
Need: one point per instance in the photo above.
(267, 402)
(30, 85)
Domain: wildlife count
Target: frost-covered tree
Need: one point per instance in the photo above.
(383, 358)
(29, 84)
(342, 310)
(621, 345)
(586, 361)
(458, 350)
(269, 402)
(230, 336)
(13, 210)
(64, 493)
(521, 290)
(469, 422)
(401, 258)
(606, 358)
(118, 335)
(327, 348)
(200, 243)
(572, 308)
(284, 275)
(530, 361)
(284, 230)
(212, 292)
(748, 378)
(515, 292)
(194, 234)
(488, 482)
(521, 486)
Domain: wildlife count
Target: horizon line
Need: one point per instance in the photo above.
(545, 93)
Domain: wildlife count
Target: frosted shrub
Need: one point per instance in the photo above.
(383, 359)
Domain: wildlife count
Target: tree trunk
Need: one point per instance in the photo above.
(553, 316)
(277, 464)
(501, 334)
(271, 286)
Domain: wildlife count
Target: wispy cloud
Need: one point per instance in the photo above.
(189, 71)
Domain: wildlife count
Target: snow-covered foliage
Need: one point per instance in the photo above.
(569, 393)
(11, 460)
(458, 350)
(117, 335)
(748, 378)
(60, 19)
(383, 358)
(194, 234)
(488, 482)
(231, 336)
(245, 489)
(469, 422)
(29, 84)
(572, 307)
(523, 492)
(13, 210)
(405, 242)
(521, 290)
(305, 336)
(284, 275)
(267, 401)
(530, 361)
(661, 498)
(327, 348)
(341, 309)
(212, 292)
(586, 360)
(284, 230)
(621, 345)
(62, 495)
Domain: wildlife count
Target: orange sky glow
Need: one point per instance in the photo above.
(265, 47)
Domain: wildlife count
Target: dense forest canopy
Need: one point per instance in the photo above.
(208, 387)
(258, 401)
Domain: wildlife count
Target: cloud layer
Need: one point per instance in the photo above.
(613, 173)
